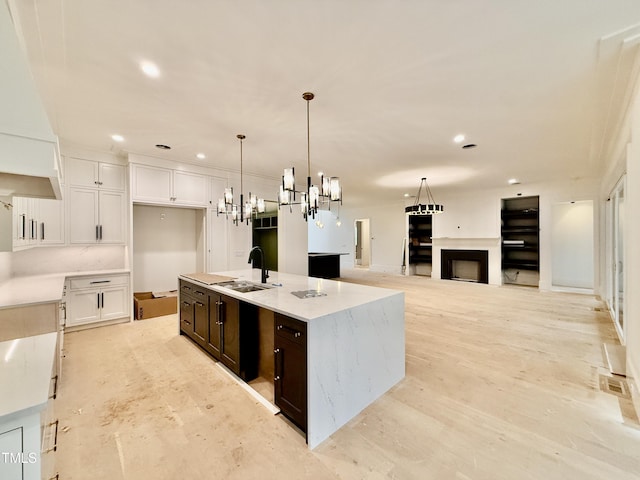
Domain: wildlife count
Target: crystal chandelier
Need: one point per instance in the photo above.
(244, 210)
(313, 197)
(429, 208)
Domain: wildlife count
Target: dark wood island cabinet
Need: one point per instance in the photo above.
(225, 327)
(290, 357)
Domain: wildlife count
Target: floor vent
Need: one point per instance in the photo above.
(615, 386)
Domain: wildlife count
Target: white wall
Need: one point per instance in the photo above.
(43, 260)
(624, 156)
(5, 266)
(164, 246)
(292, 241)
(631, 253)
(572, 239)
(6, 226)
(331, 237)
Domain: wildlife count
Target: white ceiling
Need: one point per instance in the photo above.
(537, 85)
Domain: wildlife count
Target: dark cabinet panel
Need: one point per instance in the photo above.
(201, 321)
(186, 315)
(214, 340)
(225, 327)
(230, 328)
(290, 357)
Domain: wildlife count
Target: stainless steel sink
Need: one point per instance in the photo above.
(243, 286)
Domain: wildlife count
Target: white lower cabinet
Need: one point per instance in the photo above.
(97, 299)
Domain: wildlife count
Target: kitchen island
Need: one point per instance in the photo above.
(354, 339)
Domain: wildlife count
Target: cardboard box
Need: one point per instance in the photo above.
(147, 305)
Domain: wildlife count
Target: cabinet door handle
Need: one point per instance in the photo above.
(42, 231)
(98, 295)
(23, 227)
(290, 330)
(100, 232)
(277, 360)
(199, 304)
(97, 235)
(102, 299)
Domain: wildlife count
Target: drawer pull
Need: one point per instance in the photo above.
(290, 330)
(200, 304)
(99, 281)
(187, 322)
(55, 437)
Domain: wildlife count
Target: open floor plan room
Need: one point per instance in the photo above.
(501, 383)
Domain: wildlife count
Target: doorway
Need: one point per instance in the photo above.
(363, 243)
(572, 246)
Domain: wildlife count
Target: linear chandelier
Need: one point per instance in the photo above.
(429, 208)
(244, 210)
(313, 197)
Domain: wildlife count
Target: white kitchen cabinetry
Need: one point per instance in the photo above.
(87, 173)
(97, 299)
(96, 216)
(165, 186)
(97, 201)
(37, 221)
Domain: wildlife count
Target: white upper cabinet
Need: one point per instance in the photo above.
(190, 188)
(96, 216)
(87, 173)
(165, 186)
(37, 221)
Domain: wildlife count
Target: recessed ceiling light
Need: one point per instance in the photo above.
(513, 181)
(201, 156)
(163, 147)
(150, 69)
(406, 195)
(458, 138)
(469, 145)
(117, 138)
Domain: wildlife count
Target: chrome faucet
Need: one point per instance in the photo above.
(264, 271)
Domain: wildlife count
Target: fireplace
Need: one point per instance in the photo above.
(465, 265)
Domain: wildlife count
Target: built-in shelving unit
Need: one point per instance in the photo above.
(265, 235)
(420, 246)
(520, 239)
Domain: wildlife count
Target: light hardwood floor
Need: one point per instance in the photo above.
(501, 383)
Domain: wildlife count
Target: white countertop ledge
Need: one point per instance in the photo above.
(26, 366)
(279, 298)
(36, 289)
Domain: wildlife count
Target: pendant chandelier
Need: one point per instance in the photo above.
(429, 208)
(243, 210)
(313, 197)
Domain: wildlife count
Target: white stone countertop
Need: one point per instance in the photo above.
(35, 289)
(339, 295)
(26, 366)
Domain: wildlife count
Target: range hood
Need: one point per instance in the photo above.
(29, 152)
(29, 167)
